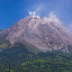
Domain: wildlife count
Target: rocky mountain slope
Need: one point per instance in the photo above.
(43, 34)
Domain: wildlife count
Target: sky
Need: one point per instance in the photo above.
(12, 11)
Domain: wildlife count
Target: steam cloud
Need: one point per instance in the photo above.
(52, 18)
(33, 14)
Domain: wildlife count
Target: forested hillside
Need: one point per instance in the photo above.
(17, 58)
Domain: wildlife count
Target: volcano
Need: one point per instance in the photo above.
(41, 33)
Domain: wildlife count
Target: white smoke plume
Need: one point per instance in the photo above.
(51, 18)
(33, 14)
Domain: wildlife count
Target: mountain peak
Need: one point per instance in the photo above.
(43, 33)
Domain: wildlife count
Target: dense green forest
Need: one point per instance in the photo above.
(17, 58)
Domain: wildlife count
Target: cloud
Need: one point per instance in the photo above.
(51, 18)
(33, 14)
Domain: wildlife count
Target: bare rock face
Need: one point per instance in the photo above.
(44, 34)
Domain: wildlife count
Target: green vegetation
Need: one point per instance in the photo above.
(4, 45)
(17, 58)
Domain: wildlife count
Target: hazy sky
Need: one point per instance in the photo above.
(14, 10)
